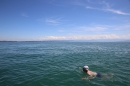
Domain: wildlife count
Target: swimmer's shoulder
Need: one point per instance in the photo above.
(92, 73)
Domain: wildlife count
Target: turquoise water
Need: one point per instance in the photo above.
(60, 63)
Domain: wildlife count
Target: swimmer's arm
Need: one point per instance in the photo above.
(84, 78)
(88, 78)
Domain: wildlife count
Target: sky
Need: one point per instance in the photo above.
(39, 20)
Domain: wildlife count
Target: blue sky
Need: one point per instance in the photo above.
(36, 20)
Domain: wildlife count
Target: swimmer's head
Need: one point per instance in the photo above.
(85, 68)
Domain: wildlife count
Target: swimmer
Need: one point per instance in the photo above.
(90, 73)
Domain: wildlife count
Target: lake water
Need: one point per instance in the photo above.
(60, 63)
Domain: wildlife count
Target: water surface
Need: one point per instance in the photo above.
(60, 63)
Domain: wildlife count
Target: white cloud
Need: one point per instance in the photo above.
(24, 15)
(93, 28)
(123, 27)
(87, 37)
(115, 11)
(104, 29)
(54, 38)
(109, 10)
(104, 6)
(53, 21)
